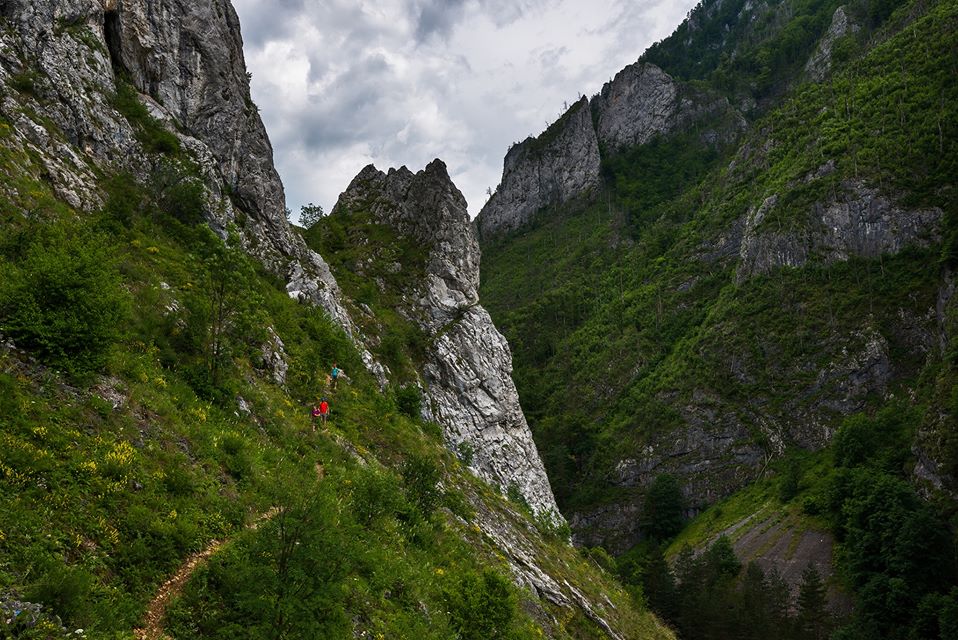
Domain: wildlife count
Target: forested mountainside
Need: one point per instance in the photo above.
(165, 334)
(727, 281)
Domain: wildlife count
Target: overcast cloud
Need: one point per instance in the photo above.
(342, 83)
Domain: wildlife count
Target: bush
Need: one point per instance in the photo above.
(65, 299)
(178, 192)
(409, 401)
(66, 590)
(124, 199)
(149, 131)
(482, 606)
(421, 478)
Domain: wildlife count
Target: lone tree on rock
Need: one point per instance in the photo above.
(309, 214)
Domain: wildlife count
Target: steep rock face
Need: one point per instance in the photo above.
(188, 56)
(641, 102)
(65, 60)
(859, 222)
(564, 163)
(820, 63)
(467, 368)
(559, 165)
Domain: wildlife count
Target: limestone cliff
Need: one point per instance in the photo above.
(63, 65)
(563, 163)
(820, 63)
(467, 366)
(858, 221)
(559, 165)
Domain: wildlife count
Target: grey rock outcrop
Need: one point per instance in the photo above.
(860, 221)
(65, 60)
(641, 102)
(564, 163)
(559, 165)
(820, 63)
(467, 368)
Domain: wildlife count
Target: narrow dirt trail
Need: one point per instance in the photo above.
(152, 628)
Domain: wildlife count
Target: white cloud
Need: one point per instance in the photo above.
(342, 83)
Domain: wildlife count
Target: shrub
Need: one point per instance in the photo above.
(65, 299)
(124, 199)
(178, 192)
(376, 494)
(790, 484)
(421, 478)
(66, 590)
(409, 401)
(149, 131)
(482, 606)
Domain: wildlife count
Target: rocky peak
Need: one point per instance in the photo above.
(185, 58)
(563, 163)
(560, 164)
(467, 369)
(428, 208)
(820, 63)
(66, 60)
(638, 104)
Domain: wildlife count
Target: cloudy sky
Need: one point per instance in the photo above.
(342, 83)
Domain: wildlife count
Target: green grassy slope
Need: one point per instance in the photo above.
(150, 423)
(647, 309)
(654, 338)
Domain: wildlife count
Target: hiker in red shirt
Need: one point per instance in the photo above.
(324, 412)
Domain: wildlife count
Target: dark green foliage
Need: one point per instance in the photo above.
(149, 131)
(309, 214)
(710, 596)
(409, 401)
(377, 495)
(125, 199)
(421, 479)
(482, 607)
(645, 177)
(812, 606)
(881, 441)
(663, 512)
(63, 298)
(888, 530)
(897, 550)
(647, 567)
(66, 590)
(791, 480)
(178, 193)
(949, 247)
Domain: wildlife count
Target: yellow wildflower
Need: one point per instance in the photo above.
(121, 455)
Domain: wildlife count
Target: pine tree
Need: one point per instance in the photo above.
(813, 618)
